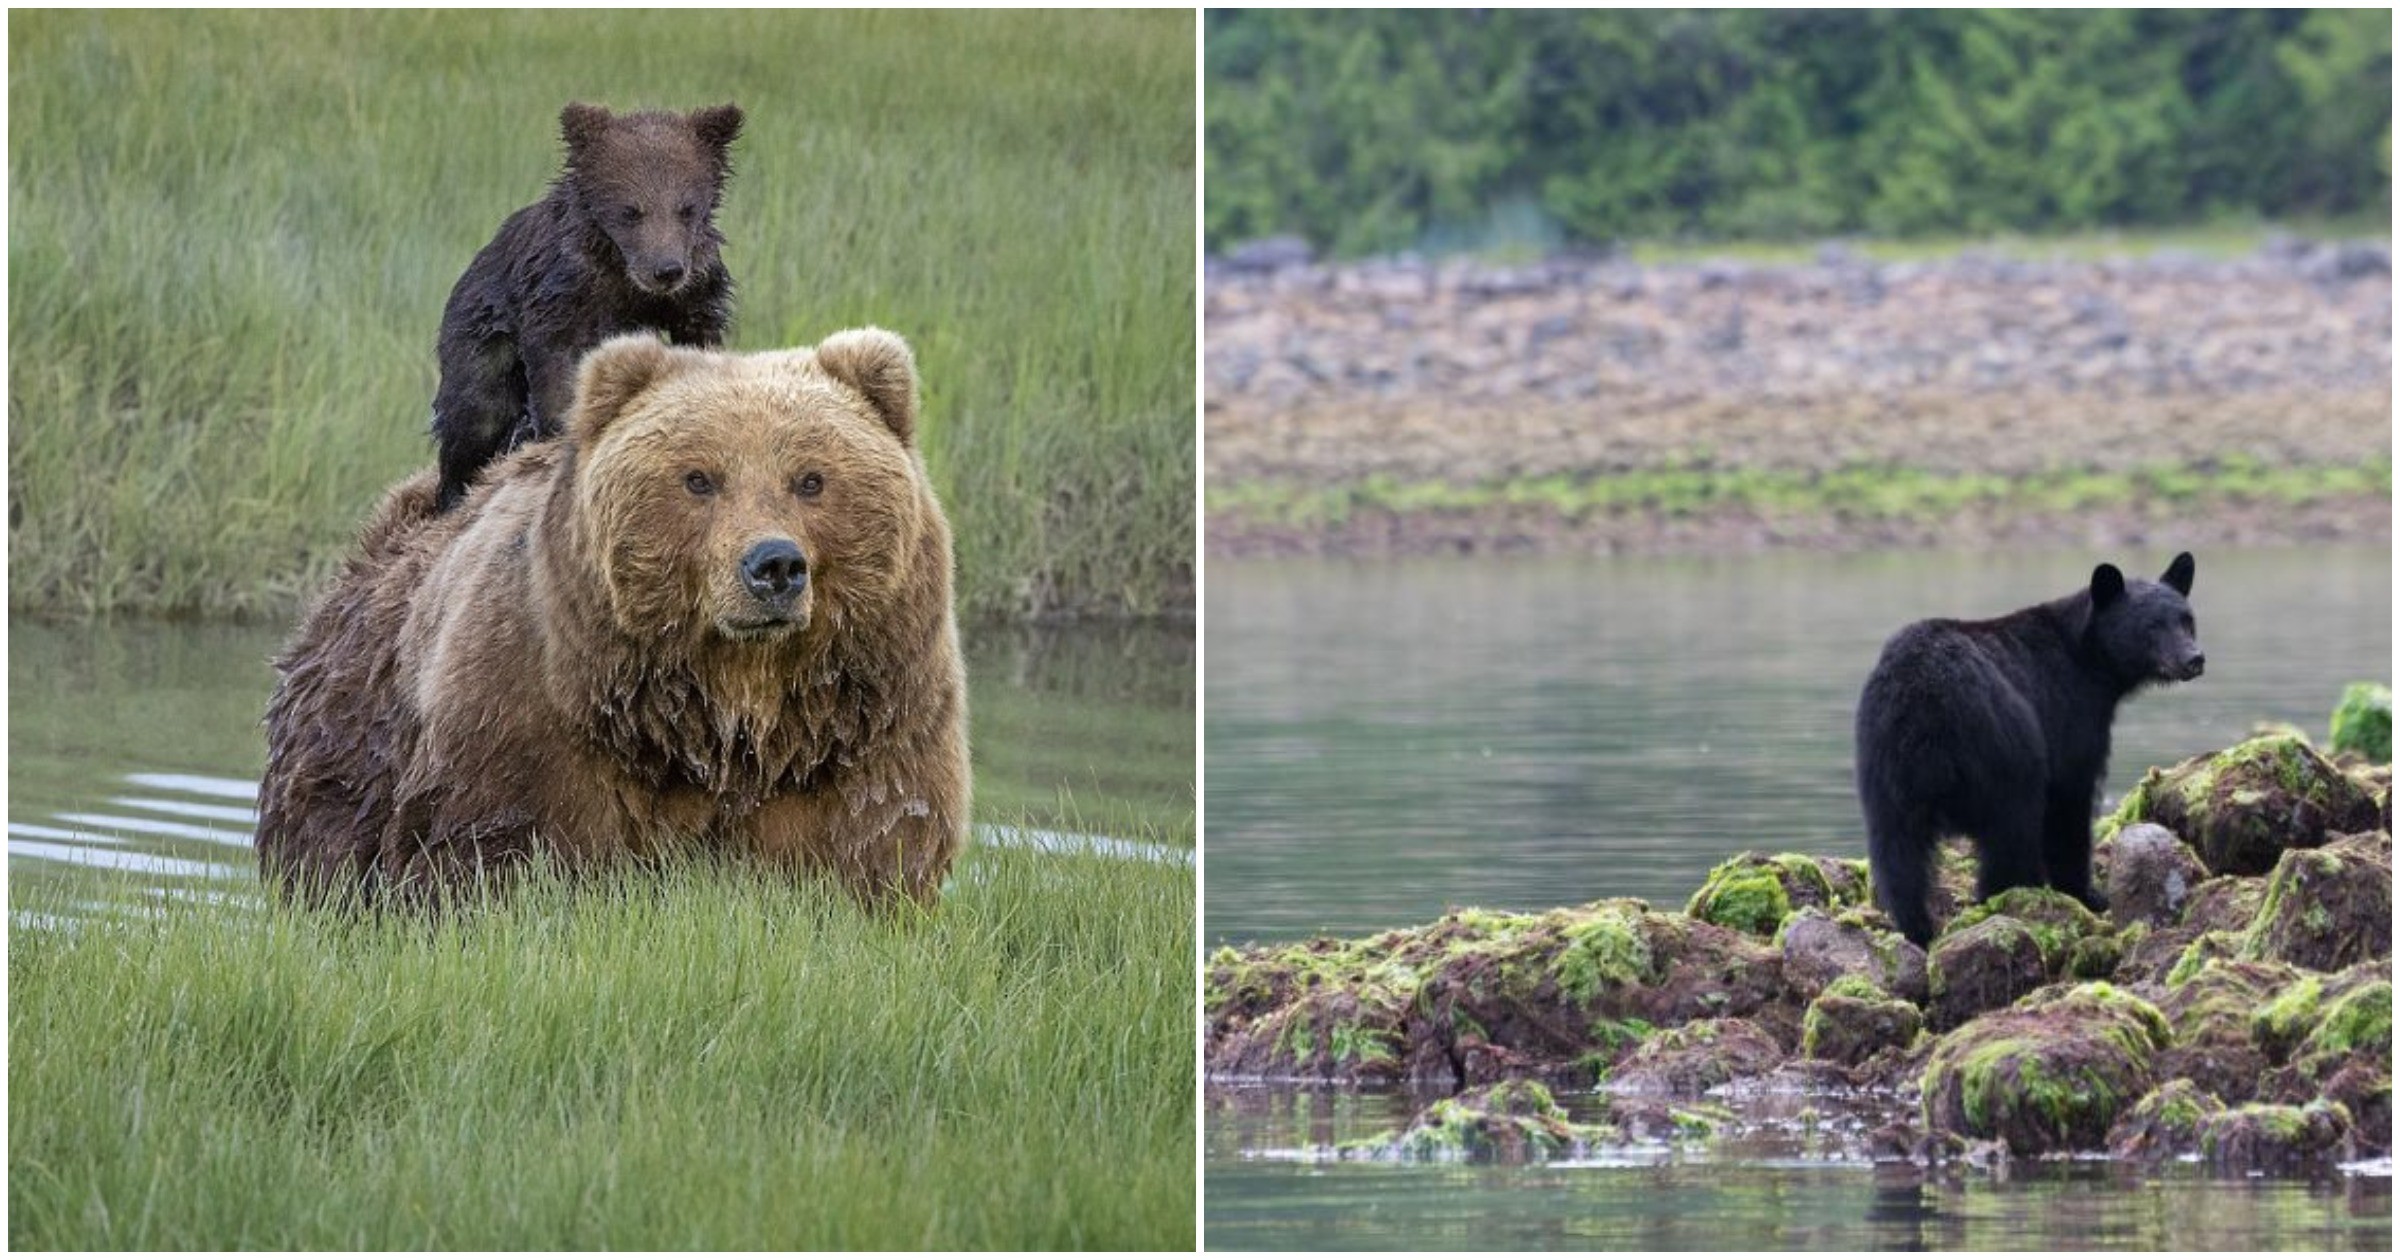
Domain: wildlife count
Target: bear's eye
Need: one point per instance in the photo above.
(699, 483)
(687, 212)
(810, 485)
(629, 214)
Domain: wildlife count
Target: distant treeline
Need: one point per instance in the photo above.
(1366, 131)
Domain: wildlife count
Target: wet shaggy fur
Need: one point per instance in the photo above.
(715, 615)
(625, 241)
(1998, 730)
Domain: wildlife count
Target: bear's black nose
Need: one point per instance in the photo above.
(667, 275)
(2192, 666)
(775, 569)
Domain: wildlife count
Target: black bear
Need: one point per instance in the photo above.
(1998, 730)
(626, 241)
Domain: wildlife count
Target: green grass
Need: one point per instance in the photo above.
(1878, 492)
(231, 235)
(703, 1060)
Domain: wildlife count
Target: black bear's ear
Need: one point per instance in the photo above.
(612, 376)
(580, 125)
(2179, 574)
(878, 365)
(718, 125)
(2108, 586)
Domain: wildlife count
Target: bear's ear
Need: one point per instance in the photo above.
(2108, 586)
(2179, 574)
(580, 125)
(718, 125)
(612, 376)
(878, 365)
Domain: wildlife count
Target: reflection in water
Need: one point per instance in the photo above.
(1386, 741)
(134, 748)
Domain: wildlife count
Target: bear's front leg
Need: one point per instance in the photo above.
(899, 840)
(2067, 851)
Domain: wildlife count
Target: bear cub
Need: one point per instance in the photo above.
(1998, 730)
(626, 241)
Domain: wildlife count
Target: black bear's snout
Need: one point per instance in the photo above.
(667, 275)
(2193, 664)
(774, 570)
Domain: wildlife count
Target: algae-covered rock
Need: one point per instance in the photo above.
(2270, 1137)
(2362, 723)
(1821, 948)
(2327, 908)
(2241, 808)
(2212, 1019)
(1697, 1057)
(2365, 1091)
(2165, 1124)
(1752, 893)
(1987, 965)
(2050, 1074)
(2150, 875)
(1513, 1122)
(1852, 1021)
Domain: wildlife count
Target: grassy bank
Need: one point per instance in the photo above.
(231, 235)
(701, 1062)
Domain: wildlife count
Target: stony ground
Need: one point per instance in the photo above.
(1398, 374)
(2233, 1005)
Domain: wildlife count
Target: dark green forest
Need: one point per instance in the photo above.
(1373, 131)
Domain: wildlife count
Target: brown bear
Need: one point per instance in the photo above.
(715, 614)
(626, 240)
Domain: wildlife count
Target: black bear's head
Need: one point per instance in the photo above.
(2143, 631)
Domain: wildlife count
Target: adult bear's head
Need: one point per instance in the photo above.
(2144, 631)
(756, 500)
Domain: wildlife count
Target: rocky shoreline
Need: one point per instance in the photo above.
(2234, 1006)
(1407, 407)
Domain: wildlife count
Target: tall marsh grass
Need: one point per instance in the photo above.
(231, 234)
(709, 1061)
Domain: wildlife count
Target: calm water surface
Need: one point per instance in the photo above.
(136, 747)
(1387, 741)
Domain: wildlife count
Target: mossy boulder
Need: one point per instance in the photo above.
(1752, 892)
(1697, 1057)
(2241, 808)
(2274, 1138)
(1513, 1122)
(1852, 1021)
(2165, 1124)
(2365, 1091)
(2362, 723)
(2050, 1074)
(1820, 948)
(2212, 1019)
(1982, 967)
(2327, 908)
(2150, 875)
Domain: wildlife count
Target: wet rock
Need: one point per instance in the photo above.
(2050, 1074)
(2362, 723)
(2150, 875)
(1697, 1057)
(2212, 1020)
(1819, 948)
(2225, 904)
(1752, 892)
(1513, 1122)
(2272, 1138)
(2241, 808)
(2165, 1124)
(1852, 1021)
(2365, 1091)
(1988, 965)
(2327, 908)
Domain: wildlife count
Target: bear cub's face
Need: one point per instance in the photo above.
(651, 182)
(746, 498)
(2145, 629)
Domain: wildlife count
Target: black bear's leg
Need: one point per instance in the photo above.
(2008, 852)
(482, 396)
(1900, 853)
(2067, 852)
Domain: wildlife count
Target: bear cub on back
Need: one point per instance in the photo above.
(626, 241)
(1998, 730)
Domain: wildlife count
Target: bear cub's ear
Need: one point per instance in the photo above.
(581, 125)
(615, 373)
(718, 125)
(2108, 586)
(2179, 574)
(879, 366)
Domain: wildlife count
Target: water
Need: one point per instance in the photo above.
(1388, 741)
(135, 749)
